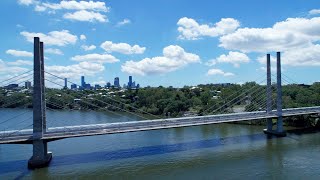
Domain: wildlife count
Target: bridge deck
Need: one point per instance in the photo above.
(25, 136)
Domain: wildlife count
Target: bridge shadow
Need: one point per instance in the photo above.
(21, 165)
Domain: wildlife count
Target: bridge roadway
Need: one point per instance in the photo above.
(56, 133)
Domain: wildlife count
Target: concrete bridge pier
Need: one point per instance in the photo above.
(41, 157)
(279, 129)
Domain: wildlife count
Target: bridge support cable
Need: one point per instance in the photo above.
(252, 95)
(256, 90)
(7, 134)
(15, 116)
(233, 98)
(64, 122)
(22, 79)
(12, 100)
(257, 101)
(17, 76)
(89, 103)
(137, 109)
(41, 157)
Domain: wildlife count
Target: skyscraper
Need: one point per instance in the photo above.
(83, 83)
(130, 82)
(65, 83)
(73, 86)
(108, 85)
(116, 82)
(27, 84)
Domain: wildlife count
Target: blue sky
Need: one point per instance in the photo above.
(167, 42)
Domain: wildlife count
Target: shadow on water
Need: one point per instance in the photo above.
(14, 166)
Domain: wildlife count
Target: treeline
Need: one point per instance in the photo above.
(169, 101)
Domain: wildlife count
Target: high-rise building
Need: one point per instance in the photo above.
(138, 86)
(116, 82)
(12, 86)
(27, 84)
(65, 83)
(87, 86)
(83, 83)
(133, 85)
(130, 82)
(73, 86)
(97, 86)
(108, 85)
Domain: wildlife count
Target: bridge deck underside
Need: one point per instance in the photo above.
(56, 133)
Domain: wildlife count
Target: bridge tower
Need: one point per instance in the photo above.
(269, 94)
(41, 157)
(279, 130)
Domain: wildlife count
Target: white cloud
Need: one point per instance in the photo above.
(99, 58)
(174, 57)
(78, 5)
(123, 22)
(9, 71)
(100, 82)
(263, 59)
(25, 2)
(84, 15)
(219, 72)
(76, 70)
(19, 26)
(88, 48)
(235, 58)
(284, 35)
(83, 37)
(40, 8)
(123, 48)
(58, 38)
(18, 53)
(192, 30)
(307, 56)
(53, 51)
(21, 63)
(314, 11)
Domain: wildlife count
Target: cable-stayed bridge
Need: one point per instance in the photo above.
(41, 130)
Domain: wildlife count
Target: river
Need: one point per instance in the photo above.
(222, 151)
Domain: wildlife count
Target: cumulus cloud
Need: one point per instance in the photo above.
(174, 57)
(25, 2)
(53, 51)
(307, 56)
(191, 30)
(219, 72)
(57, 38)
(98, 58)
(76, 70)
(21, 63)
(77, 5)
(314, 11)
(18, 53)
(10, 71)
(123, 48)
(88, 48)
(90, 11)
(284, 35)
(39, 8)
(123, 22)
(235, 58)
(84, 15)
(83, 37)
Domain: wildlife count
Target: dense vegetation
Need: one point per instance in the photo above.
(173, 102)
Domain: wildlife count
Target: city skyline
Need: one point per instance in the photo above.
(190, 44)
